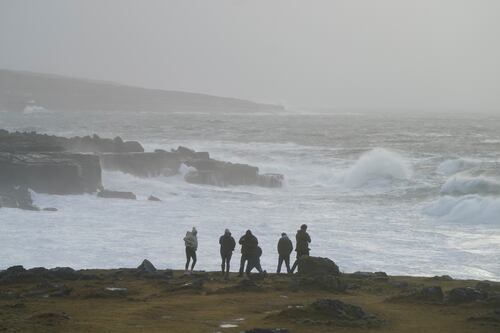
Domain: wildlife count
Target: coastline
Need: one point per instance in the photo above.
(144, 300)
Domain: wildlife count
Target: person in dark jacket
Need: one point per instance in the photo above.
(249, 244)
(285, 248)
(191, 242)
(254, 261)
(302, 244)
(227, 245)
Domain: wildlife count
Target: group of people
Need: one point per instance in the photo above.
(251, 252)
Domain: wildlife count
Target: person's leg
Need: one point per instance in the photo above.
(280, 262)
(223, 264)
(258, 266)
(194, 260)
(287, 263)
(242, 264)
(188, 259)
(250, 266)
(228, 262)
(295, 263)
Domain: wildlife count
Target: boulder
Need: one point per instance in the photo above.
(465, 295)
(376, 276)
(159, 163)
(146, 267)
(317, 266)
(153, 198)
(116, 194)
(329, 283)
(339, 310)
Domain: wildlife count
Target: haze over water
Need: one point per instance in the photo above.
(415, 194)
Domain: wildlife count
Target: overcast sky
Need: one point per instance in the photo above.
(352, 54)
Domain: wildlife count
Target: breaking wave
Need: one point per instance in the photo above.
(467, 209)
(378, 166)
(451, 167)
(469, 185)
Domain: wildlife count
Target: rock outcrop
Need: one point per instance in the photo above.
(143, 164)
(116, 195)
(317, 266)
(54, 173)
(16, 197)
(16, 142)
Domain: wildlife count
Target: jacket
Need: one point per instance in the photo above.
(303, 239)
(285, 246)
(227, 243)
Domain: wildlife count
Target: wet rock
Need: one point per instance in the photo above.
(35, 142)
(50, 209)
(465, 295)
(432, 294)
(339, 309)
(153, 198)
(155, 164)
(53, 173)
(317, 266)
(116, 194)
(16, 197)
(146, 267)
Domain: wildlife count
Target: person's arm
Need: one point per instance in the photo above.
(233, 244)
(308, 238)
(220, 240)
(242, 239)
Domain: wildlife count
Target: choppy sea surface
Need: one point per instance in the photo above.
(413, 194)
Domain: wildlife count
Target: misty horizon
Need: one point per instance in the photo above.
(389, 55)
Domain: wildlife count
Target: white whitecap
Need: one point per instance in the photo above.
(378, 166)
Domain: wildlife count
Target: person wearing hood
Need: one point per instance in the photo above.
(302, 244)
(285, 248)
(191, 242)
(227, 245)
(249, 244)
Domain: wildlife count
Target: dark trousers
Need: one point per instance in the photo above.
(299, 254)
(190, 254)
(286, 259)
(226, 261)
(253, 263)
(244, 258)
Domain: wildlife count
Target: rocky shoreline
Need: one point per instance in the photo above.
(58, 165)
(318, 299)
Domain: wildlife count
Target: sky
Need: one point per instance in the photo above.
(351, 54)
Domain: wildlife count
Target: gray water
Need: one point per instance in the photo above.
(402, 193)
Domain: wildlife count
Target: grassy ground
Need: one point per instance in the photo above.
(176, 305)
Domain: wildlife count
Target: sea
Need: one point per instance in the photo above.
(407, 193)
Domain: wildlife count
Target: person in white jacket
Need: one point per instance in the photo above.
(191, 242)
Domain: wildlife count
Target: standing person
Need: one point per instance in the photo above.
(227, 245)
(249, 244)
(191, 242)
(254, 261)
(285, 248)
(302, 244)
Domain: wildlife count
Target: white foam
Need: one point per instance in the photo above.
(470, 209)
(35, 109)
(470, 185)
(451, 167)
(378, 165)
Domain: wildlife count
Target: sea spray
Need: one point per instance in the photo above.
(377, 165)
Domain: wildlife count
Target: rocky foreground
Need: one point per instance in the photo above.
(58, 165)
(318, 299)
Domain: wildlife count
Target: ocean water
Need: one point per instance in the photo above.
(408, 193)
